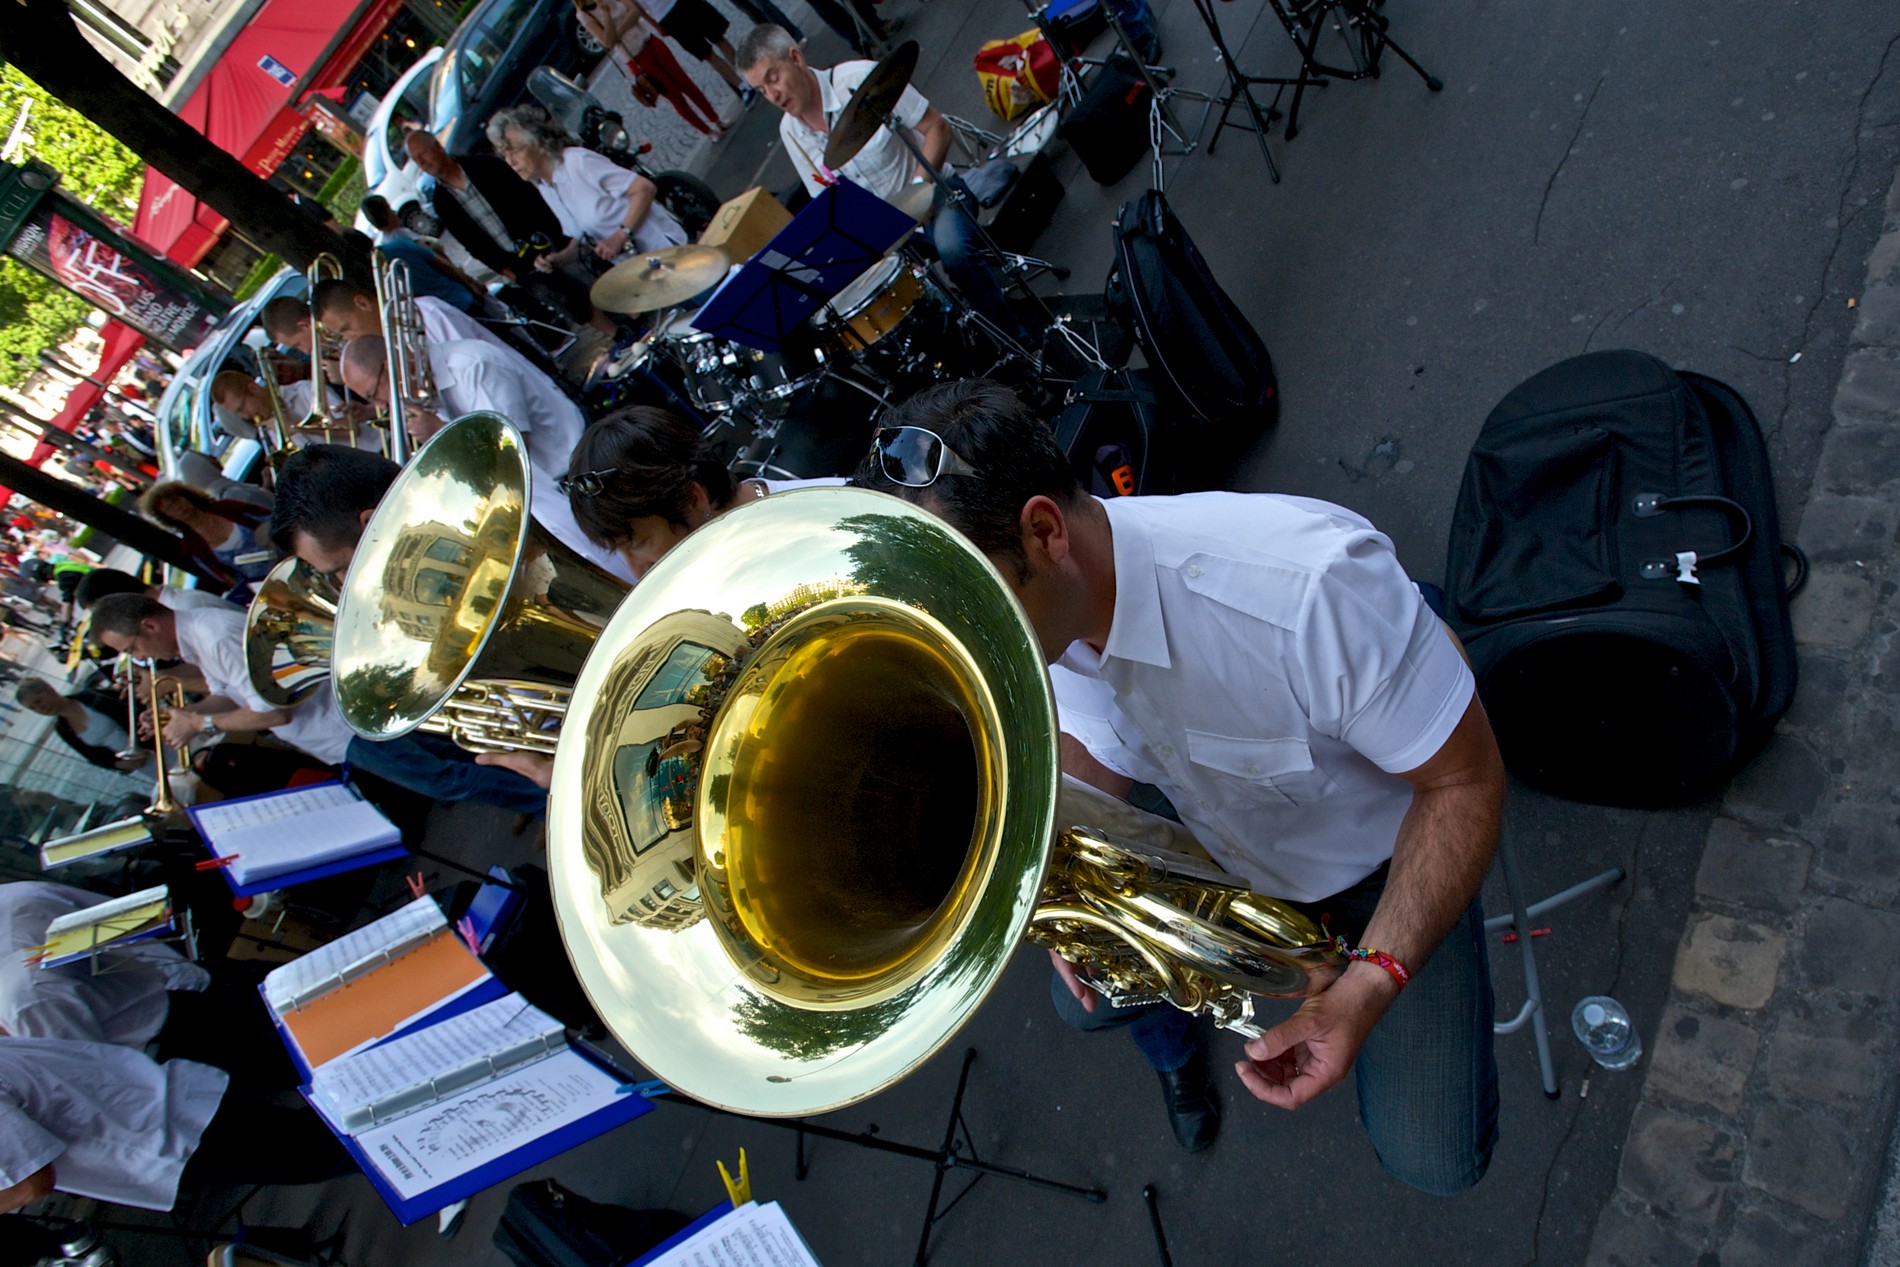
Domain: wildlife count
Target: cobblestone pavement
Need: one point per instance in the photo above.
(1764, 1121)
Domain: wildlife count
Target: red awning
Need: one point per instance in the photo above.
(244, 105)
(121, 342)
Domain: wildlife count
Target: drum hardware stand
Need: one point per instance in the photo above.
(1369, 37)
(957, 1152)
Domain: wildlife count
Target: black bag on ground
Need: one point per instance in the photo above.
(1195, 338)
(1110, 431)
(545, 1225)
(1615, 571)
(1108, 128)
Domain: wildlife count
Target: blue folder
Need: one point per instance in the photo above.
(369, 858)
(711, 1216)
(842, 232)
(623, 1110)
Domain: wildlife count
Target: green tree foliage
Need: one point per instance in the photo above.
(37, 313)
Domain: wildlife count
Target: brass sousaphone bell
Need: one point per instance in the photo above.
(804, 811)
(460, 614)
(287, 632)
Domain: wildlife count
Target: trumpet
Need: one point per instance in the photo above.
(411, 381)
(322, 416)
(164, 804)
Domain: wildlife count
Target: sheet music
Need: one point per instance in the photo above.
(467, 1131)
(93, 842)
(220, 817)
(408, 1073)
(340, 958)
(752, 1235)
(103, 911)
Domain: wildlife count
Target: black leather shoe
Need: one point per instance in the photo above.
(1193, 1108)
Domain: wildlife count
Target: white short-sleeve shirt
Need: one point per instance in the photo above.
(213, 640)
(1272, 669)
(116, 1125)
(588, 194)
(126, 1005)
(180, 600)
(885, 164)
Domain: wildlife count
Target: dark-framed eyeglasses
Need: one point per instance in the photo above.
(587, 483)
(915, 457)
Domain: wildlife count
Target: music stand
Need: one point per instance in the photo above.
(1369, 38)
(841, 233)
(1240, 86)
(948, 1156)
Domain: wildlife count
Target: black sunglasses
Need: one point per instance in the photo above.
(916, 458)
(587, 483)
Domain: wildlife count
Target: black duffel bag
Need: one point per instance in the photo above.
(546, 1225)
(1616, 574)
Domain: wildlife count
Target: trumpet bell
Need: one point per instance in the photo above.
(288, 630)
(803, 804)
(454, 583)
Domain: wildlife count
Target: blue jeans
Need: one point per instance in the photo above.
(444, 771)
(965, 258)
(1427, 1078)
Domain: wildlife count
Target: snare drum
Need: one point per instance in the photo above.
(871, 307)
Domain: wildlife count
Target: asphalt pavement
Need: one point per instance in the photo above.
(1701, 181)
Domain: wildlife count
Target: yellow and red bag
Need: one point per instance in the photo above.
(1018, 74)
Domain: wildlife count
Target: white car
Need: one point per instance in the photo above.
(387, 168)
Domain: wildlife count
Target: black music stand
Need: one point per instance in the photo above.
(1367, 34)
(828, 245)
(957, 1152)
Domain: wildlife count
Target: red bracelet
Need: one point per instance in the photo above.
(1397, 970)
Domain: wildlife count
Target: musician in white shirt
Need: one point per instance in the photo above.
(593, 197)
(469, 378)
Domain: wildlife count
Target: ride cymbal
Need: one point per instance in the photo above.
(659, 279)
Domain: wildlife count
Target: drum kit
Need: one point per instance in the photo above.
(808, 409)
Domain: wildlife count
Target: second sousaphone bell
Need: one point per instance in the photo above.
(287, 632)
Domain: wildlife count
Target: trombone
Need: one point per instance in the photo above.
(405, 349)
(322, 417)
(279, 423)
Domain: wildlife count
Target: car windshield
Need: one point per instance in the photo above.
(486, 42)
(411, 111)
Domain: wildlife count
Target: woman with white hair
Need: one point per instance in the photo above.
(601, 205)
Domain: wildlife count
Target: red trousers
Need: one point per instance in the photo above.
(657, 61)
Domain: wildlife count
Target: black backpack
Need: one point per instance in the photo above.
(1615, 572)
(1194, 337)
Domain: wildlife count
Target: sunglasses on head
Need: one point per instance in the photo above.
(915, 457)
(587, 483)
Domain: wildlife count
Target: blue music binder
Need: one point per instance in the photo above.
(711, 1216)
(623, 1109)
(373, 856)
(842, 232)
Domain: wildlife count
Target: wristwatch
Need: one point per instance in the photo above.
(210, 725)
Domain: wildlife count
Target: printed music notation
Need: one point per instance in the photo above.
(467, 1131)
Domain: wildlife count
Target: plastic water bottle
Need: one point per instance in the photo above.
(1603, 1027)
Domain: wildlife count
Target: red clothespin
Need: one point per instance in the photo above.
(416, 887)
(1508, 938)
(466, 927)
(216, 864)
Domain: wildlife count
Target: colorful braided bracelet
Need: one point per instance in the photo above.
(1397, 970)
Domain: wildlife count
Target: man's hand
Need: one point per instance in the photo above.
(420, 424)
(182, 728)
(1082, 992)
(548, 261)
(1313, 1049)
(536, 767)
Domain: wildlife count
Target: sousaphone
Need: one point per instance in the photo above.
(804, 810)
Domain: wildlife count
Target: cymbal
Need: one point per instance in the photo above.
(870, 105)
(658, 279)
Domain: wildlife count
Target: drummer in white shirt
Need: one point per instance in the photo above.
(593, 197)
